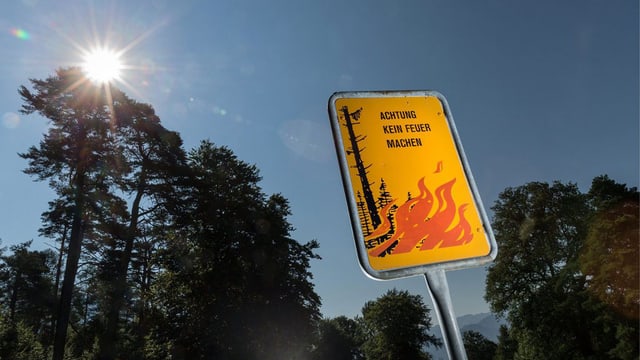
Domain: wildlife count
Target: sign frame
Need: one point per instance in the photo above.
(342, 152)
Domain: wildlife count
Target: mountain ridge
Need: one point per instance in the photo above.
(486, 324)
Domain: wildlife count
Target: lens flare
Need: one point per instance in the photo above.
(10, 120)
(20, 34)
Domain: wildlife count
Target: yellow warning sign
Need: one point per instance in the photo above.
(412, 200)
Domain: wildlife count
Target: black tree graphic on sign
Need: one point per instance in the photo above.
(351, 119)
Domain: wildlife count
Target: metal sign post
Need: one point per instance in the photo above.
(438, 288)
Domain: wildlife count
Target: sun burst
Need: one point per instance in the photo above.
(102, 65)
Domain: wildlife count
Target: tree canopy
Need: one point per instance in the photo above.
(477, 346)
(232, 242)
(562, 252)
(396, 326)
(339, 338)
(162, 252)
(610, 255)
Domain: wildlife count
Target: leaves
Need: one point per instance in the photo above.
(477, 346)
(396, 326)
(232, 242)
(339, 338)
(611, 251)
(559, 247)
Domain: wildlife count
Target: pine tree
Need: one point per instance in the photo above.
(233, 283)
(385, 197)
(76, 158)
(363, 215)
(101, 149)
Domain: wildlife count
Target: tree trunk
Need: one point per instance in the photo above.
(14, 299)
(70, 271)
(109, 338)
(58, 275)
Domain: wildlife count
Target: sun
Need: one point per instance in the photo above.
(102, 65)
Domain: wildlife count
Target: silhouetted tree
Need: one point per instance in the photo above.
(477, 346)
(538, 282)
(19, 342)
(339, 338)
(611, 251)
(234, 284)
(384, 198)
(610, 260)
(507, 346)
(396, 326)
(76, 157)
(112, 166)
(153, 159)
(26, 288)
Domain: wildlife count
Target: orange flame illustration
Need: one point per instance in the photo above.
(414, 224)
(385, 225)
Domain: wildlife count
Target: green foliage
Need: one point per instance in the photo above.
(477, 346)
(558, 249)
(18, 341)
(627, 339)
(396, 326)
(507, 346)
(152, 160)
(539, 229)
(79, 158)
(611, 251)
(26, 289)
(233, 282)
(113, 167)
(339, 338)
(180, 258)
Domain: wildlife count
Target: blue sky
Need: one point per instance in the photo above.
(540, 91)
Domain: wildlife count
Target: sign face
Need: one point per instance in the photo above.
(412, 200)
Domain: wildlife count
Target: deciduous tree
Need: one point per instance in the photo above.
(535, 280)
(610, 260)
(477, 346)
(611, 252)
(396, 326)
(339, 338)
(544, 277)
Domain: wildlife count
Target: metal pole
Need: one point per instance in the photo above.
(439, 291)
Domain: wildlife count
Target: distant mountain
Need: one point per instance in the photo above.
(486, 324)
(473, 319)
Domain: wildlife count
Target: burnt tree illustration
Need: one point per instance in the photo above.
(351, 119)
(362, 214)
(385, 199)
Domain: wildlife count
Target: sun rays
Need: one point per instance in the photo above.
(102, 65)
(106, 49)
